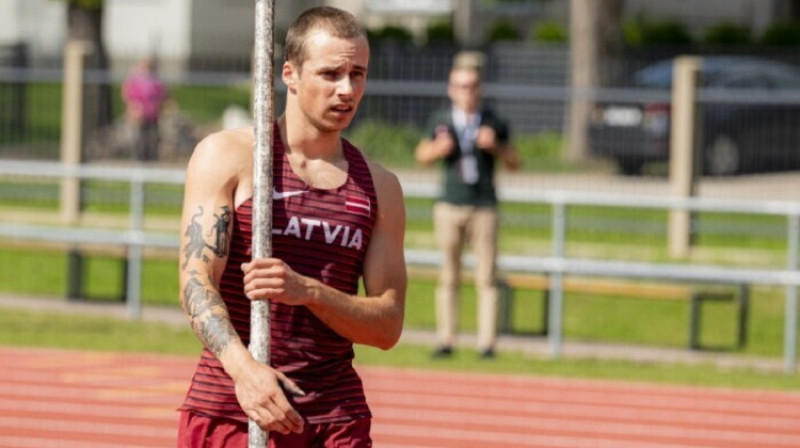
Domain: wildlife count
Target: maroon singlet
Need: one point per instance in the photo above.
(321, 234)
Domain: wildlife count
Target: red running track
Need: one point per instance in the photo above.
(72, 399)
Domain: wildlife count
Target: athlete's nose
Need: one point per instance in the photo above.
(345, 87)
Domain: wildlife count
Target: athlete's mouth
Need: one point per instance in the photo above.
(342, 109)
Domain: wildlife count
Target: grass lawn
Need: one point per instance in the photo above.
(27, 328)
(594, 317)
(591, 318)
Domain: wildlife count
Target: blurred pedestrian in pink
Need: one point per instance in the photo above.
(144, 94)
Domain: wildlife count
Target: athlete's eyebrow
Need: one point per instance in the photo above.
(343, 66)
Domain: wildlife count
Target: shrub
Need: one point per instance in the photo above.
(393, 145)
(391, 33)
(727, 34)
(643, 33)
(540, 152)
(440, 32)
(784, 34)
(502, 30)
(386, 143)
(550, 32)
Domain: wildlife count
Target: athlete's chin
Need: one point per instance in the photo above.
(339, 123)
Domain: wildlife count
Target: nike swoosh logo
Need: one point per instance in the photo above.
(278, 195)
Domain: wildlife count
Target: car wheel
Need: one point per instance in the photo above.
(723, 157)
(630, 167)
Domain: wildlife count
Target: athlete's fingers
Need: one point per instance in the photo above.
(289, 386)
(285, 418)
(290, 417)
(265, 269)
(258, 289)
(267, 420)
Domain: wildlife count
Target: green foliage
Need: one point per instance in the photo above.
(727, 34)
(550, 32)
(785, 34)
(643, 32)
(440, 32)
(502, 30)
(390, 33)
(632, 33)
(386, 143)
(495, 3)
(86, 4)
(206, 104)
(26, 328)
(541, 152)
(393, 145)
(37, 329)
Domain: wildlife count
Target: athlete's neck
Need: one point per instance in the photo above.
(302, 140)
(319, 162)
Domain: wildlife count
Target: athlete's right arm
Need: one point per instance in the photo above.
(207, 210)
(214, 172)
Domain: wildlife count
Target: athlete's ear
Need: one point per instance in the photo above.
(289, 75)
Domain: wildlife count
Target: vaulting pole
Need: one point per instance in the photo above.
(263, 112)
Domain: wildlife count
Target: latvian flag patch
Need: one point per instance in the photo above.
(359, 206)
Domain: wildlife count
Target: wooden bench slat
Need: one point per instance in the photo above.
(579, 285)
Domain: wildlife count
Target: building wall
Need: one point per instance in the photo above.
(39, 23)
(222, 28)
(10, 33)
(134, 29)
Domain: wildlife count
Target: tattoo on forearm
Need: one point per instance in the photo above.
(220, 242)
(208, 314)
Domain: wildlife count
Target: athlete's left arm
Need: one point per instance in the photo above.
(375, 319)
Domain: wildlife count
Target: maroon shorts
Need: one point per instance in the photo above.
(198, 431)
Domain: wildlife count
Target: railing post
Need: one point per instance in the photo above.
(556, 296)
(133, 290)
(71, 145)
(790, 323)
(71, 128)
(684, 158)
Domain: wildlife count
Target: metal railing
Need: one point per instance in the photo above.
(135, 238)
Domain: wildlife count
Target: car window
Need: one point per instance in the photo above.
(656, 76)
(786, 82)
(745, 82)
(726, 72)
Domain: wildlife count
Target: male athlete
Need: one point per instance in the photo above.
(337, 218)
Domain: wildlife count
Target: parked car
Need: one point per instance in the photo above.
(750, 116)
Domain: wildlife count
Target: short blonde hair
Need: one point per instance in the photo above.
(337, 22)
(469, 60)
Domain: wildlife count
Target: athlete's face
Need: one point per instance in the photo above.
(464, 89)
(330, 84)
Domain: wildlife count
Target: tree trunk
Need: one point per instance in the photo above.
(86, 24)
(595, 48)
(794, 10)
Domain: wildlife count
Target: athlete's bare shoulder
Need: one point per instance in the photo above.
(387, 185)
(227, 152)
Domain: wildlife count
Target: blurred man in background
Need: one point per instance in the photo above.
(467, 138)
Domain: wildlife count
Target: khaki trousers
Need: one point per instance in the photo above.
(454, 226)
